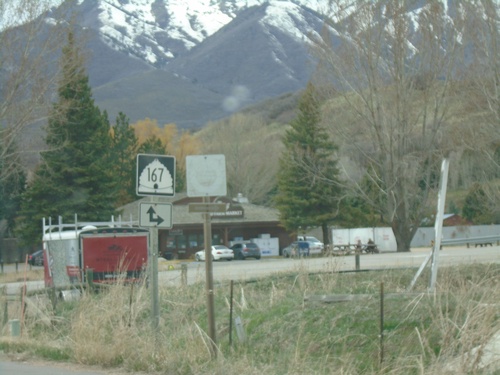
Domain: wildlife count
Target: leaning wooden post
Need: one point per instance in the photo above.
(6, 307)
(231, 316)
(89, 275)
(184, 270)
(356, 257)
(381, 322)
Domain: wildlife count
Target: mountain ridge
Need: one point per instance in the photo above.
(211, 59)
(244, 61)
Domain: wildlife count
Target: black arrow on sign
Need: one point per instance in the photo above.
(151, 213)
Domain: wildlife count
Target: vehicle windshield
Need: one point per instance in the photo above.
(312, 239)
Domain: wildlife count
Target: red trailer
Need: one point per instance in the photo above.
(105, 251)
(111, 253)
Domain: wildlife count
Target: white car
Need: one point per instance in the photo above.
(219, 252)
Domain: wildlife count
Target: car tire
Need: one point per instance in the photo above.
(198, 258)
(241, 257)
(258, 258)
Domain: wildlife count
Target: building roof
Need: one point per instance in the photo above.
(181, 215)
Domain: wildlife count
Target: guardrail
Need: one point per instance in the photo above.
(471, 240)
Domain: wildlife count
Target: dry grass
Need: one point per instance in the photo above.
(19, 276)
(286, 331)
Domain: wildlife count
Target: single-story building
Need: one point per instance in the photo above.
(241, 221)
(451, 220)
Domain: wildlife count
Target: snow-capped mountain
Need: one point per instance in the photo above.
(158, 31)
(192, 61)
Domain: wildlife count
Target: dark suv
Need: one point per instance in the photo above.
(246, 250)
(36, 259)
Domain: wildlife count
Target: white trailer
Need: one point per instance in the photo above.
(348, 237)
(340, 237)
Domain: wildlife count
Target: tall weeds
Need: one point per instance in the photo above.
(285, 331)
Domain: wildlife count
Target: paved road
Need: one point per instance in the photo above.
(251, 268)
(15, 366)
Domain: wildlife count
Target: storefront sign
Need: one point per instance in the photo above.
(232, 211)
(175, 232)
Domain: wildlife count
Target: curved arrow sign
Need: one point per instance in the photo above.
(157, 215)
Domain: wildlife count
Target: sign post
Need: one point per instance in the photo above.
(209, 279)
(206, 176)
(154, 278)
(155, 177)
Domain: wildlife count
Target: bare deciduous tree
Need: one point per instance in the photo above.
(252, 151)
(393, 70)
(29, 43)
(482, 139)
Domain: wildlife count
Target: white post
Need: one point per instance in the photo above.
(438, 226)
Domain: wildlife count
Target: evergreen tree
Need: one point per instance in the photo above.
(477, 208)
(124, 151)
(153, 145)
(75, 175)
(308, 195)
(12, 184)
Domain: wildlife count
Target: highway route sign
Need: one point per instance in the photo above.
(158, 215)
(155, 175)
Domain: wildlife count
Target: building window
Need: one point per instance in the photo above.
(171, 245)
(193, 241)
(216, 240)
(181, 244)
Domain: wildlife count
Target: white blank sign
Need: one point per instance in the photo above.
(206, 175)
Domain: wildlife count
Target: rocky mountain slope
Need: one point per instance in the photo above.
(193, 62)
(190, 62)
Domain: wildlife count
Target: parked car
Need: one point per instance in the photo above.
(219, 252)
(297, 248)
(246, 250)
(287, 251)
(36, 259)
(316, 247)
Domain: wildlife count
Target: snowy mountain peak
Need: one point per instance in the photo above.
(157, 31)
(194, 61)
